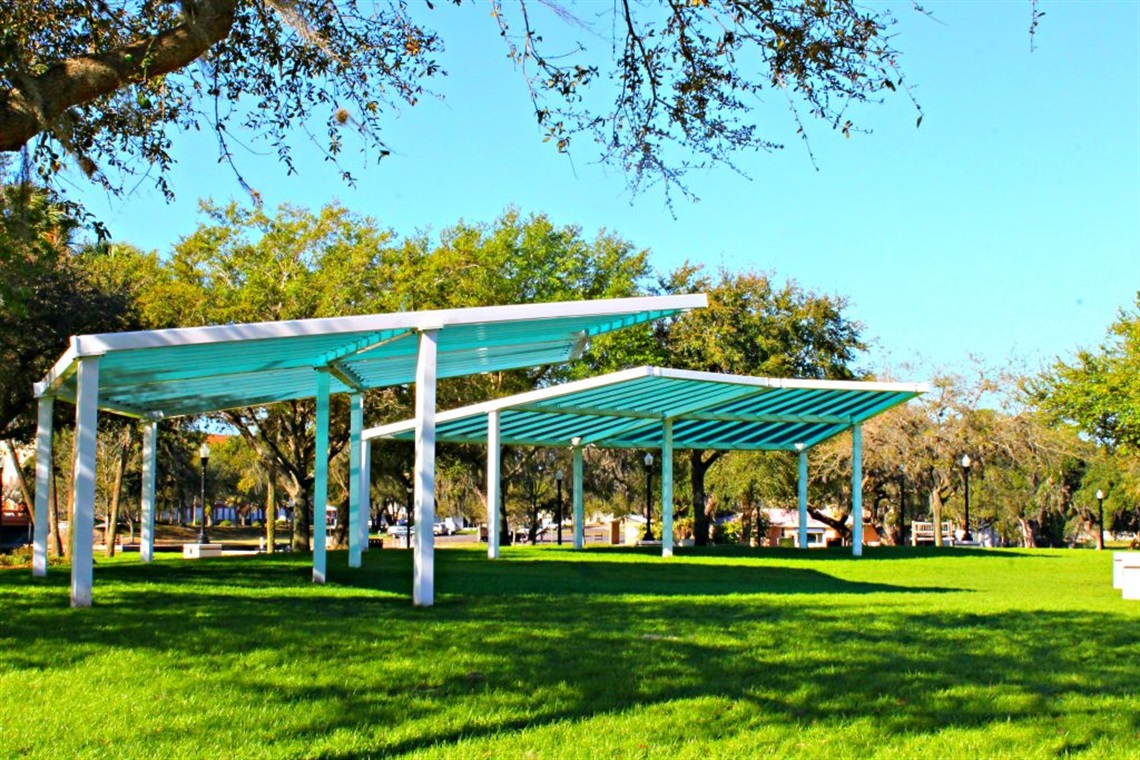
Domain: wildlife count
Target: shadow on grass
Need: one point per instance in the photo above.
(561, 639)
(462, 573)
(470, 574)
(838, 552)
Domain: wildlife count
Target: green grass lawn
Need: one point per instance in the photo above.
(606, 653)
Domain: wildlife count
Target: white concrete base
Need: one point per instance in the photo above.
(1130, 576)
(198, 551)
(1117, 566)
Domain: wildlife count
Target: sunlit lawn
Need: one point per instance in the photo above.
(607, 653)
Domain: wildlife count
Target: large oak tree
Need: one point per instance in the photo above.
(658, 87)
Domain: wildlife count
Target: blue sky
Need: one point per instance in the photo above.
(1006, 226)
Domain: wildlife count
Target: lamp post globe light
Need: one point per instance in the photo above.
(966, 476)
(204, 455)
(648, 495)
(558, 516)
(1100, 516)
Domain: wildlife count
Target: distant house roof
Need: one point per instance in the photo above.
(790, 518)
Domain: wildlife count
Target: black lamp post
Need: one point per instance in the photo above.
(648, 494)
(558, 481)
(1100, 518)
(966, 476)
(411, 521)
(204, 454)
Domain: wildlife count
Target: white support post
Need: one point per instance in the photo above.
(83, 525)
(355, 425)
(857, 490)
(43, 486)
(802, 484)
(579, 511)
(423, 579)
(667, 489)
(321, 477)
(150, 461)
(494, 483)
(365, 489)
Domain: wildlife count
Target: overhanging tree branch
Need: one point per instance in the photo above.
(35, 103)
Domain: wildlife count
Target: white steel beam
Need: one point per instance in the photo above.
(43, 486)
(579, 511)
(857, 490)
(802, 489)
(88, 345)
(150, 461)
(494, 484)
(365, 491)
(321, 478)
(423, 580)
(83, 526)
(512, 402)
(667, 489)
(356, 424)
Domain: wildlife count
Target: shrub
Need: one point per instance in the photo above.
(726, 532)
(19, 557)
(226, 524)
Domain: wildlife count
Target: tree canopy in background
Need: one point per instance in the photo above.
(1039, 457)
(658, 87)
(250, 264)
(46, 296)
(1099, 391)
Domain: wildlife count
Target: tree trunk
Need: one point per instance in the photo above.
(936, 514)
(340, 533)
(302, 507)
(71, 501)
(901, 541)
(698, 468)
(112, 531)
(271, 507)
(533, 532)
(1027, 536)
(53, 516)
(26, 493)
(838, 525)
(504, 529)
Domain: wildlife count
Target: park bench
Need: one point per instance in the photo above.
(923, 533)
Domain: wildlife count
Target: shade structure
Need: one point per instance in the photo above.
(167, 373)
(669, 409)
(708, 410)
(183, 371)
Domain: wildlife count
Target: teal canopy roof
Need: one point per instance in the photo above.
(164, 373)
(709, 411)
